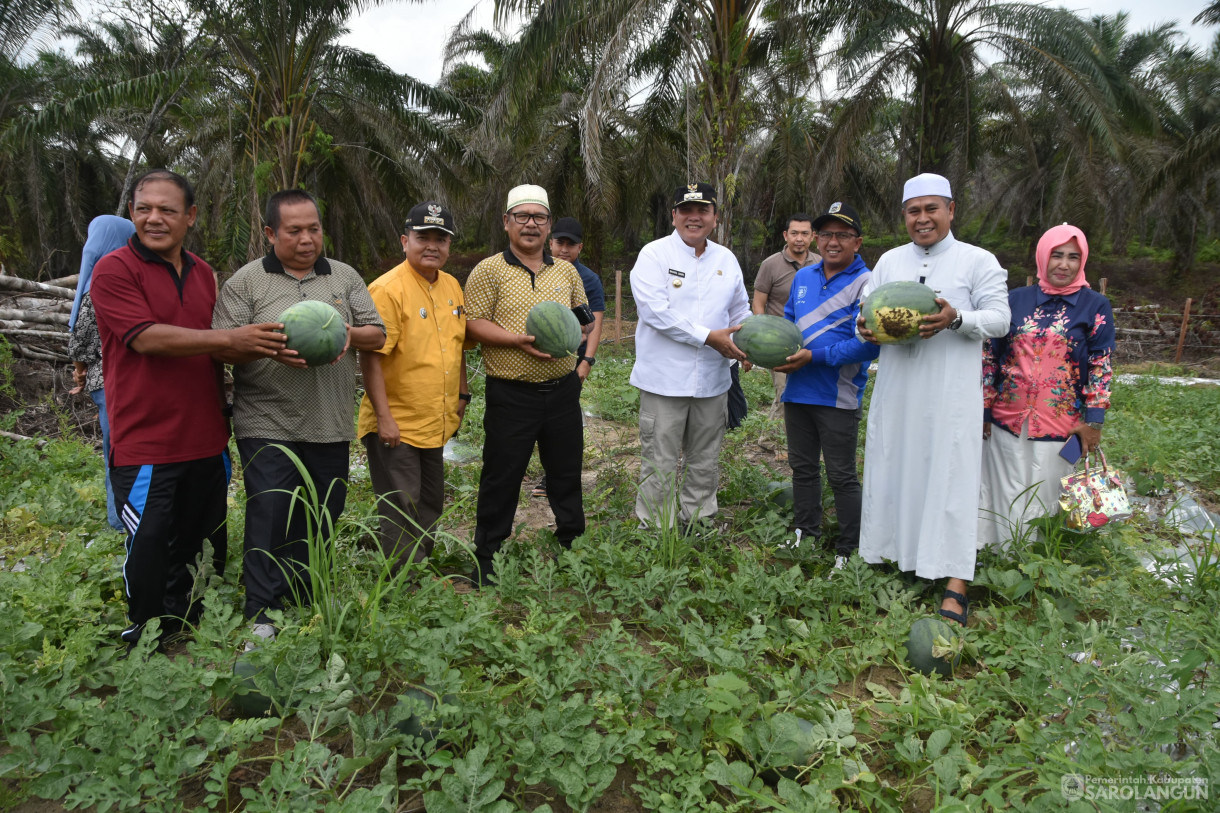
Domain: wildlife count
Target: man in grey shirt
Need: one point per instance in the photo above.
(774, 279)
(280, 401)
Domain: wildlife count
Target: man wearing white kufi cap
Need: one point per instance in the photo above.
(531, 397)
(923, 445)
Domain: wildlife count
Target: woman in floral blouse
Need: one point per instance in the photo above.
(1047, 380)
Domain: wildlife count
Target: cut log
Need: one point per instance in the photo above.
(41, 317)
(29, 286)
(39, 442)
(45, 334)
(65, 282)
(37, 354)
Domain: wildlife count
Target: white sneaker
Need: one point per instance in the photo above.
(840, 563)
(265, 633)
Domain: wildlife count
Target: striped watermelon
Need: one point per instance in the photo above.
(315, 330)
(924, 633)
(768, 340)
(555, 329)
(894, 311)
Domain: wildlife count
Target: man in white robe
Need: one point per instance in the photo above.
(923, 446)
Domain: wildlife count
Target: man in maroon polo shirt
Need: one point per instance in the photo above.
(169, 468)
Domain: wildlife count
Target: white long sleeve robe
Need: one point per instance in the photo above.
(923, 444)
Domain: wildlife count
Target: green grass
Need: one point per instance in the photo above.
(723, 679)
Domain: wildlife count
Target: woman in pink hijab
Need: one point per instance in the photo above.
(1046, 381)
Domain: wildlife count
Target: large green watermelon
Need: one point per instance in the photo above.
(924, 632)
(315, 330)
(420, 720)
(894, 311)
(555, 329)
(249, 700)
(768, 340)
(780, 494)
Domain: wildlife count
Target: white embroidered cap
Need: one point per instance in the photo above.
(926, 184)
(527, 193)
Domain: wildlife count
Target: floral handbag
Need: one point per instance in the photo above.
(1093, 497)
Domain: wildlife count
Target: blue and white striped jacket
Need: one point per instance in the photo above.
(826, 311)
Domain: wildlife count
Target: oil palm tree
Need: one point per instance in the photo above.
(696, 65)
(294, 108)
(933, 55)
(1182, 188)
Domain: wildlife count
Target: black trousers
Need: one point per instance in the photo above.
(168, 509)
(276, 558)
(518, 415)
(828, 433)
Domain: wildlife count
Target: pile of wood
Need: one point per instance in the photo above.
(34, 316)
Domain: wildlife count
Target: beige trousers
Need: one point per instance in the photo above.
(680, 457)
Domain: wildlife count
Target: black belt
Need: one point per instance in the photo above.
(538, 386)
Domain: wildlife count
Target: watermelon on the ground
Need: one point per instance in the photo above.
(894, 311)
(555, 329)
(923, 635)
(420, 719)
(780, 493)
(767, 340)
(249, 699)
(315, 330)
(792, 743)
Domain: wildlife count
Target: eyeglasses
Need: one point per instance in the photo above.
(841, 236)
(525, 217)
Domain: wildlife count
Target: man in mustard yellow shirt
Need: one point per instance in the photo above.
(415, 385)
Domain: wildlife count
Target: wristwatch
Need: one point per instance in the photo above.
(957, 322)
(589, 359)
(465, 396)
(1093, 425)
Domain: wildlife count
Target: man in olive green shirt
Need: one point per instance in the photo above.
(282, 402)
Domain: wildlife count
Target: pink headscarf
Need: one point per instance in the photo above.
(1054, 238)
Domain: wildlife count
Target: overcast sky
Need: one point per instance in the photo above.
(410, 37)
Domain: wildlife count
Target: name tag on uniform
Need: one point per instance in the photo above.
(673, 272)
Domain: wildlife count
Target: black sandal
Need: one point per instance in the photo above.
(960, 599)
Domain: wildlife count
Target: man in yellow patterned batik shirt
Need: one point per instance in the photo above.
(531, 397)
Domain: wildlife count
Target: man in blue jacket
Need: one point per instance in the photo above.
(826, 377)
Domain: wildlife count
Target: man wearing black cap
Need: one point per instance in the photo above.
(415, 390)
(826, 377)
(567, 240)
(691, 298)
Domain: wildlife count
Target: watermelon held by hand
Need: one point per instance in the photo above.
(924, 633)
(768, 340)
(315, 330)
(555, 329)
(894, 311)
